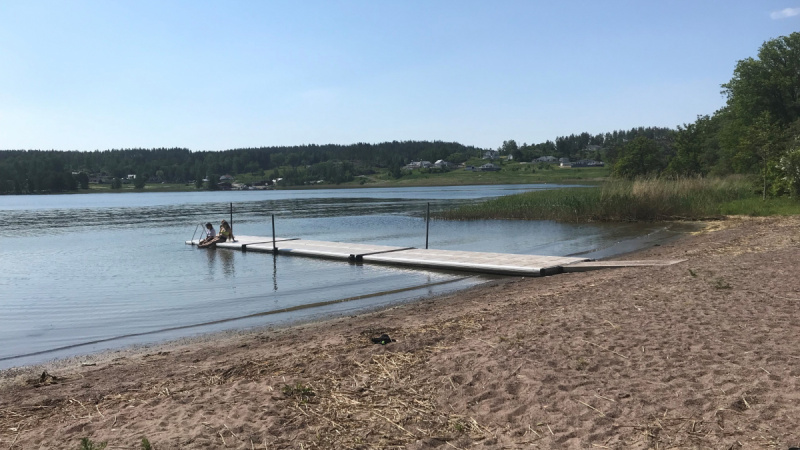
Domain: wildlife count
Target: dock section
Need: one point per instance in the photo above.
(331, 250)
(482, 262)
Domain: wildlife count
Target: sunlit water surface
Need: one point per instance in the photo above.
(83, 273)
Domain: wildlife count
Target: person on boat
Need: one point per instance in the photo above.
(210, 234)
(225, 234)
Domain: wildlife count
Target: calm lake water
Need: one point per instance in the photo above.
(84, 273)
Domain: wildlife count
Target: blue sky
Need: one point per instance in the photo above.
(215, 75)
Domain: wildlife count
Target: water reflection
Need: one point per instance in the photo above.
(219, 261)
(227, 262)
(34, 222)
(275, 272)
(212, 258)
(59, 214)
(161, 287)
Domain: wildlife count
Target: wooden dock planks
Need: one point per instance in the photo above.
(482, 262)
(325, 249)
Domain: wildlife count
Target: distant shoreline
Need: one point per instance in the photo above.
(510, 175)
(173, 188)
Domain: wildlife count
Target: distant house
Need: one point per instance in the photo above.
(227, 178)
(491, 154)
(442, 164)
(489, 167)
(418, 165)
(262, 184)
(470, 169)
(546, 159)
(588, 163)
(100, 178)
(132, 176)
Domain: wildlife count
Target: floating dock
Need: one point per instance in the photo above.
(481, 262)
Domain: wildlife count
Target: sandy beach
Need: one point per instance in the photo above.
(701, 354)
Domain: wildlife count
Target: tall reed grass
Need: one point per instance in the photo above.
(649, 199)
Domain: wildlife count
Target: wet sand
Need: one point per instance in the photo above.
(702, 354)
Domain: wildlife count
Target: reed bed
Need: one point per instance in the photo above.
(650, 199)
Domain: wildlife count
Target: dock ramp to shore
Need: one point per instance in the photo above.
(481, 262)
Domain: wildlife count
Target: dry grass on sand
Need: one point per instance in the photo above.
(702, 354)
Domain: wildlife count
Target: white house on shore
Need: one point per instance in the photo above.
(442, 164)
(418, 165)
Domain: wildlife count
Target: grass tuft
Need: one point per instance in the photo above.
(299, 391)
(88, 444)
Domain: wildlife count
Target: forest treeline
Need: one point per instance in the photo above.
(38, 171)
(756, 133)
(33, 171)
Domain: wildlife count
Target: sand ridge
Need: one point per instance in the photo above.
(701, 354)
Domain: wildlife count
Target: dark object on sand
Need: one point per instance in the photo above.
(44, 380)
(383, 340)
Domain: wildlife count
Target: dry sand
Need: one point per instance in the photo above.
(702, 354)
